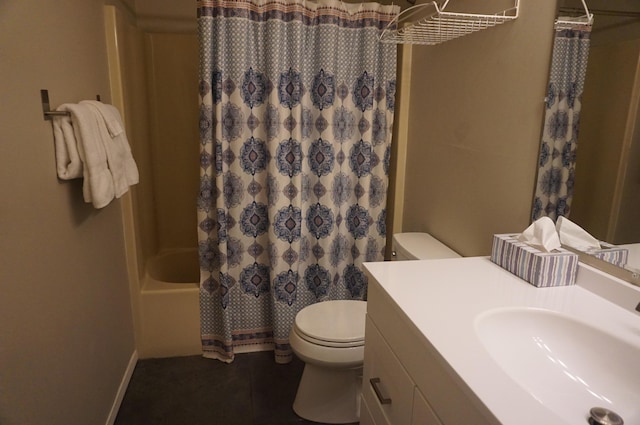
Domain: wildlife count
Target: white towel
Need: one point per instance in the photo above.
(98, 185)
(121, 163)
(68, 163)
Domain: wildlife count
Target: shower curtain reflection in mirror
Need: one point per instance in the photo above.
(297, 103)
(557, 160)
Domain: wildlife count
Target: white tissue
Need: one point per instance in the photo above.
(575, 236)
(542, 235)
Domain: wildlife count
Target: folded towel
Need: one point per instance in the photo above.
(98, 185)
(68, 162)
(114, 139)
(91, 143)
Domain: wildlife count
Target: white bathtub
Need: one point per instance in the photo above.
(169, 304)
(178, 266)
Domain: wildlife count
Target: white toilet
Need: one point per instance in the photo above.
(329, 338)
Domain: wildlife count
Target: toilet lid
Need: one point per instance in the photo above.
(333, 323)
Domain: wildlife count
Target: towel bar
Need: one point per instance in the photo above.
(46, 109)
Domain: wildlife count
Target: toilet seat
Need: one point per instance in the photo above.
(337, 324)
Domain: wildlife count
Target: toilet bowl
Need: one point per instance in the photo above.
(329, 337)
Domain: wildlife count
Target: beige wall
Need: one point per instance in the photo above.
(172, 9)
(628, 229)
(166, 15)
(476, 111)
(398, 163)
(66, 334)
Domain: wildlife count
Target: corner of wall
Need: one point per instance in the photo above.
(402, 138)
(122, 389)
(126, 204)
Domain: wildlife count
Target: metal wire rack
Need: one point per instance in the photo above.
(430, 24)
(585, 20)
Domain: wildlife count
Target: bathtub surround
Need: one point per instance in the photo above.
(148, 71)
(295, 129)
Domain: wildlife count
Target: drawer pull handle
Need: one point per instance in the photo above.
(382, 399)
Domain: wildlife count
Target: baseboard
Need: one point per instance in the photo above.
(123, 388)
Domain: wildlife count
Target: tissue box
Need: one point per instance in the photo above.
(541, 269)
(611, 254)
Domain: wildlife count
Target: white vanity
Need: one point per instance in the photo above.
(463, 341)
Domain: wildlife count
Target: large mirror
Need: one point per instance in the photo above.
(606, 199)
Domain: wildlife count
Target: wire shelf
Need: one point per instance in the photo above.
(568, 22)
(430, 24)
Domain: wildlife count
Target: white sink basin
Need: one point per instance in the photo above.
(567, 365)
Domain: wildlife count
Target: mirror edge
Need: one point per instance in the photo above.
(619, 272)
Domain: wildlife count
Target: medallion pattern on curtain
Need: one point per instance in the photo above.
(297, 101)
(557, 160)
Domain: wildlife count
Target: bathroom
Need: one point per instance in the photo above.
(67, 303)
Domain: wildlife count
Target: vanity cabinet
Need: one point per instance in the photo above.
(405, 381)
(390, 395)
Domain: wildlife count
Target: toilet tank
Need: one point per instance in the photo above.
(420, 246)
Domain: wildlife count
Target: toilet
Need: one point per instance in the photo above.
(329, 337)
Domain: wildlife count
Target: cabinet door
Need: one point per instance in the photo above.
(365, 414)
(422, 413)
(387, 388)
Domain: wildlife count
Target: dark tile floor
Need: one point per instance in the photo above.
(253, 390)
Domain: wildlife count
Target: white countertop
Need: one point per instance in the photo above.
(444, 298)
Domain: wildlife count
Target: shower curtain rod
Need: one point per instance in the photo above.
(604, 12)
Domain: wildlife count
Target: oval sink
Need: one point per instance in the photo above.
(565, 364)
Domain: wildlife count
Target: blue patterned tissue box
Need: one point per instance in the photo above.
(541, 269)
(611, 254)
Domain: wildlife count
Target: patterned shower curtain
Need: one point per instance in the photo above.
(297, 101)
(557, 161)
